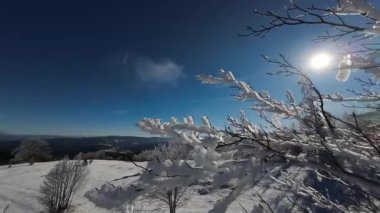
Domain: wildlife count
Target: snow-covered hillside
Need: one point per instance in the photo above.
(19, 188)
(19, 185)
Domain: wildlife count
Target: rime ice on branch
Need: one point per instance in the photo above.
(296, 163)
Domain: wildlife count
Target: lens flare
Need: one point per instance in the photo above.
(320, 61)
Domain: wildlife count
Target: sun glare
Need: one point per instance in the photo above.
(320, 61)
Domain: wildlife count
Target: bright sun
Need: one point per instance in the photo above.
(320, 61)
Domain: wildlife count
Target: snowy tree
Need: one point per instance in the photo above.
(169, 195)
(318, 162)
(32, 150)
(170, 151)
(61, 183)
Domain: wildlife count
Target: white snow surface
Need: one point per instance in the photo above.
(19, 185)
(19, 189)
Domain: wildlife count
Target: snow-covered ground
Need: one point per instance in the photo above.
(19, 185)
(19, 188)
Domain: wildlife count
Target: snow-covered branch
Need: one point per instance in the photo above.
(325, 149)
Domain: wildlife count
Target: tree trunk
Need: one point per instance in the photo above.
(172, 209)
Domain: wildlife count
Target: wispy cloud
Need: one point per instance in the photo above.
(158, 72)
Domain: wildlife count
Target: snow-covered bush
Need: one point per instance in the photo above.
(61, 183)
(317, 161)
(145, 155)
(166, 151)
(32, 150)
(172, 151)
(170, 195)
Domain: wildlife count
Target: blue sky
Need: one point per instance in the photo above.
(96, 67)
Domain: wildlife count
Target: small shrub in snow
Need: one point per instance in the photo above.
(170, 196)
(171, 151)
(146, 155)
(61, 183)
(85, 162)
(203, 191)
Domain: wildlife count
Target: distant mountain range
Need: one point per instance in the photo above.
(70, 146)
